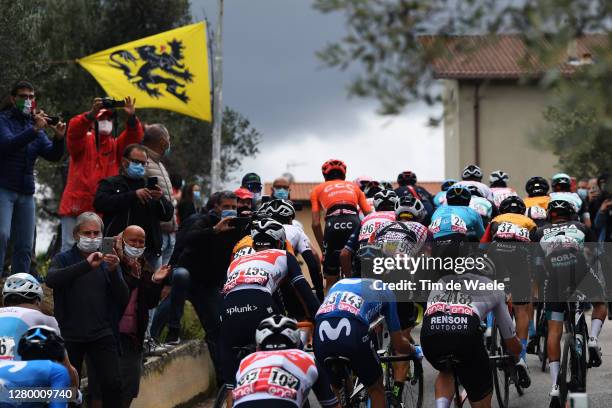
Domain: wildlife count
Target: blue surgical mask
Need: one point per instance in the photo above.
(197, 195)
(228, 213)
(135, 170)
(583, 193)
(281, 193)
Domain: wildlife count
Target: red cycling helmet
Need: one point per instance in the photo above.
(333, 164)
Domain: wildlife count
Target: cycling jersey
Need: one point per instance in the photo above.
(439, 199)
(281, 375)
(14, 321)
(482, 206)
(509, 227)
(540, 201)
(241, 248)
(338, 193)
(358, 299)
(452, 219)
(297, 239)
(560, 236)
(361, 234)
(501, 193)
(386, 235)
(34, 373)
(485, 191)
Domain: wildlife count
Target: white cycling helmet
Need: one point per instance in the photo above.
(385, 197)
(497, 176)
(279, 210)
(277, 332)
(471, 171)
(24, 285)
(267, 232)
(408, 208)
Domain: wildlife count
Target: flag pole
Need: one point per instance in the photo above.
(215, 168)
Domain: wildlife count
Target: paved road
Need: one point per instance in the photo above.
(599, 382)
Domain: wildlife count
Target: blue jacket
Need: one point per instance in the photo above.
(20, 146)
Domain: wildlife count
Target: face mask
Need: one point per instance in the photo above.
(242, 210)
(89, 245)
(135, 170)
(281, 193)
(105, 127)
(197, 195)
(131, 252)
(228, 213)
(583, 193)
(26, 106)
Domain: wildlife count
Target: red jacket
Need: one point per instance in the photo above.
(88, 166)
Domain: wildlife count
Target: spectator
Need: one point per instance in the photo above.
(145, 288)
(94, 155)
(124, 201)
(89, 294)
(252, 182)
(281, 189)
(244, 201)
(157, 141)
(190, 202)
(22, 140)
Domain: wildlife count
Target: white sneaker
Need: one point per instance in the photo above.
(555, 391)
(594, 352)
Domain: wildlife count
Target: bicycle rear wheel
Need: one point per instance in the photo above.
(542, 333)
(565, 369)
(222, 397)
(501, 380)
(412, 397)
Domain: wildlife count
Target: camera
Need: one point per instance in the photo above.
(110, 103)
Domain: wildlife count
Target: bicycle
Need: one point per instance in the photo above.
(541, 337)
(412, 396)
(223, 395)
(502, 363)
(451, 363)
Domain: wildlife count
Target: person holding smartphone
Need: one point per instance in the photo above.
(22, 140)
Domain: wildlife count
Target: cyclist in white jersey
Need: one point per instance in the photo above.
(498, 181)
(22, 296)
(279, 374)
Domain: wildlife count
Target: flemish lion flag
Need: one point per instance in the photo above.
(166, 71)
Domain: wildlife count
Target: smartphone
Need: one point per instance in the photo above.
(152, 183)
(107, 245)
(52, 120)
(240, 222)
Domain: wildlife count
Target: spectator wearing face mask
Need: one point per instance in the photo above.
(94, 154)
(89, 295)
(252, 182)
(22, 140)
(281, 189)
(144, 286)
(190, 202)
(125, 200)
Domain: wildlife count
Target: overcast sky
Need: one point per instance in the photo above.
(272, 76)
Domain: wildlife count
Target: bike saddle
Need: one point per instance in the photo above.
(450, 361)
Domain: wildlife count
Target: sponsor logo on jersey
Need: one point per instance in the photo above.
(333, 333)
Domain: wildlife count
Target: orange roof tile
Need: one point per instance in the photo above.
(501, 56)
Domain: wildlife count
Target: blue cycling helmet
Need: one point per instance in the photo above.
(458, 195)
(447, 183)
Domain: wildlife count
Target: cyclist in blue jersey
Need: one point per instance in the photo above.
(343, 330)
(42, 351)
(440, 197)
(456, 221)
(22, 296)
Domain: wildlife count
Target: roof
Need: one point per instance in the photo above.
(501, 56)
(301, 191)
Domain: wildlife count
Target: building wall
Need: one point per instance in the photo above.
(510, 116)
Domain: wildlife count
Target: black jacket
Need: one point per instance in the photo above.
(116, 198)
(87, 302)
(203, 253)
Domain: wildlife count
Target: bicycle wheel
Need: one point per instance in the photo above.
(542, 333)
(222, 397)
(412, 397)
(580, 374)
(565, 369)
(501, 380)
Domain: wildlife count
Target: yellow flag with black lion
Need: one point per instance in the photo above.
(166, 71)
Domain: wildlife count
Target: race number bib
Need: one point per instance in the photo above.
(510, 231)
(7, 348)
(347, 301)
(271, 380)
(367, 230)
(536, 213)
(434, 227)
(458, 224)
(248, 276)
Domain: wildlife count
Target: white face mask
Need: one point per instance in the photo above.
(89, 245)
(105, 127)
(131, 252)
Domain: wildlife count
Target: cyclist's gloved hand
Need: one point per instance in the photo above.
(418, 352)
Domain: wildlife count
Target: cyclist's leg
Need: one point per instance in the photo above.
(338, 229)
(376, 392)
(555, 316)
(407, 316)
(444, 389)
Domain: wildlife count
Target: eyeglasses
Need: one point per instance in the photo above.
(27, 96)
(138, 162)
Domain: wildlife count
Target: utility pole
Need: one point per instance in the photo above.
(215, 168)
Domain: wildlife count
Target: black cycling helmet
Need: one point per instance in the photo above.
(446, 184)
(498, 178)
(279, 210)
(277, 332)
(372, 188)
(512, 204)
(41, 343)
(406, 178)
(561, 182)
(536, 186)
(385, 200)
(458, 195)
(268, 233)
(560, 209)
(471, 172)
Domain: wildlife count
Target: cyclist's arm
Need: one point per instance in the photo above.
(322, 389)
(477, 224)
(297, 280)
(314, 269)
(346, 261)
(506, 326)
(366, 208)
(400, 344)
(58, 379)
(316, 217)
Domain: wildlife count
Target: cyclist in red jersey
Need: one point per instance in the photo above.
(341, 201)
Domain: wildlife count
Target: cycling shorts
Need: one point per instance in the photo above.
(451, 245)
(473, 370)
(350, 338)
(242, 312)
(407, 313)
(513, 267)
(338, 229)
